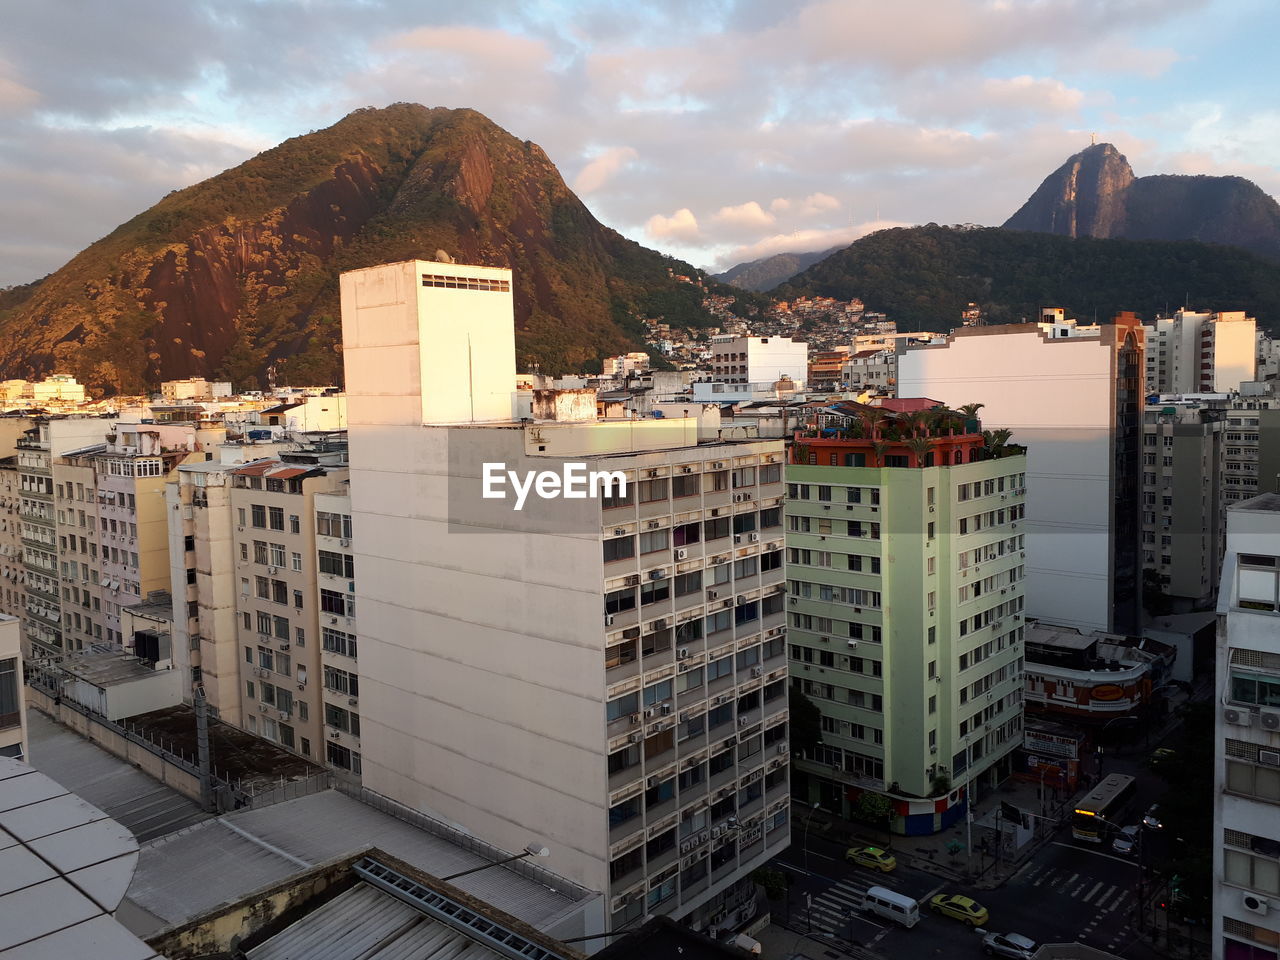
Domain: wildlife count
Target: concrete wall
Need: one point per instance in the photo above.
(1056, 396)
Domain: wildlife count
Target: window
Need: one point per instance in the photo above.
(333, 525)
(296, 562)
(259, 513)
(685, 485)
(340, 719)
(342, 604)
(655, 591)
(620, 600)
(715, 529)
(275, 517)
(277, 555)
(295, 525)
(654, 540)
(337, 564)
(652, 490)
(336, 641)
(622, 706)
(619, 548)
(687, 583)
(340, 681)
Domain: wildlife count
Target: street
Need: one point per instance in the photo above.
(1067, 892)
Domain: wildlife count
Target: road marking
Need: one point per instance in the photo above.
(1052, 871)
(823, 856)
(1094, 853)
(848, 901)
(1089, 896)
(1021, 870)
(1105, 897)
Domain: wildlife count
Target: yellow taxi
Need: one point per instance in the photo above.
(961, 908)
(872, 857)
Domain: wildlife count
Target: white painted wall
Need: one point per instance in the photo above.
(460, 362)
(1055, 395)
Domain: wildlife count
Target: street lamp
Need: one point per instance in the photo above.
(809, 820)
(530, 850)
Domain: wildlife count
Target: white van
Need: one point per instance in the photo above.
(884, 902)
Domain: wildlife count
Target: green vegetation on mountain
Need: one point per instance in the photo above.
(924, 276)
(238, 275)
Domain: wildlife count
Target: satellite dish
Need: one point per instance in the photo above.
(442, 256)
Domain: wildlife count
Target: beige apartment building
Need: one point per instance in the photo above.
(335, 577)
(13, 714)
(281, 600)
(604, 675)
(12, 595)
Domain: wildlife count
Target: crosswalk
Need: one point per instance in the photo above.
(1103, 896)
(830, 910)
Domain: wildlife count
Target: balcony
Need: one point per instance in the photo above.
(624, 777)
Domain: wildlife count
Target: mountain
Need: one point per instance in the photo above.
(923, 277)
(238, 274)
(1095, 194)
(768, 272)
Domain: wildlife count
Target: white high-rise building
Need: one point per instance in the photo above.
(1246, 829)
(758, 360)
(1073, 395)
(604, 675)
(1201, 352)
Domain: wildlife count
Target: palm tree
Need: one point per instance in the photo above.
(970, 412)
(920, 447)
(912, 423)
(1001, 439)
(879, 448)
(874, 418)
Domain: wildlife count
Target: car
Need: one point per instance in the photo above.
(1013, 945)
(1127, 840)
(1152, 819)
(1162, 754)
(960, 907)
(872, 857)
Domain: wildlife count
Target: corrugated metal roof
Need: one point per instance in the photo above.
(368, 924)
(188, 873)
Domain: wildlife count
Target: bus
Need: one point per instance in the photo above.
(1100, 812)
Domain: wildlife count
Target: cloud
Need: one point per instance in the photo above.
(680, 226)
(802, 241)
(779, 204)
(819, 203)
(749, 214)
(602, 168)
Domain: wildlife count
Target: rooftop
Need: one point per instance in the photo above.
(107, 669)
(64, 867)
(185, 874)
(1263, 502)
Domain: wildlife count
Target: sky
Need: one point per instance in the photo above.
(714, 130)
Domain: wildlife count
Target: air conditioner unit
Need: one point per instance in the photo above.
(353, 701)
(619, 531)
(743, 721)
(717, 831)
(686, 469)
(302, 686)
(655, 524)
(712, 595)
(717, 465)
(335, 620)
(344, 543)
(334, 734)
(1270, 721)
(635, 718)
(284, 714)
(263, 708)
(659, 624)
(757, 671)
(633, 580)
(1270, 757)
(682, 653)
(1237, 718)
(636, 737)
(853, 644)
(284, 644)
(651, 473)
(1255, 904)
(666, 708)
(737, 498)
(681, 553)
(686, 847)
(657, 574)
(650, 712)
(737, 538)
(608, 619)
(782, 749)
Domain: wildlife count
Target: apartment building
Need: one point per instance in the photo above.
(112, 525)
(1182, 457)
(39, 446)
(1242, 465)
(13, 713)
(1193, 352)
(12, 595)
(906, 571)
(758, 360)
(281, 600)
(1246, 829)
(335, 578)
(606, 674)
(1073, 395)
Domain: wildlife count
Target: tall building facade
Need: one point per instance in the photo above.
(13, 713)
(1073, 396)
(762, 360)
(1182, 450)
(12, 596)
(1246, 829)
(1194, 352)
(906, 571)
(604, 674)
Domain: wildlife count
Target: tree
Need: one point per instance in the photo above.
(774, 883)
(873, 808)
(920, 448)
(806, 722)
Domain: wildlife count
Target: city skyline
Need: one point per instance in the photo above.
(731, 132)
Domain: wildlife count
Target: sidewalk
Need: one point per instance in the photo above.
(932, 854)
(778, 943)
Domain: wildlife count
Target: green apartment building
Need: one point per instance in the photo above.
(905, 569)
